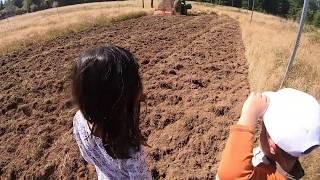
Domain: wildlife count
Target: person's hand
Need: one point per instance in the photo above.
(253, 109)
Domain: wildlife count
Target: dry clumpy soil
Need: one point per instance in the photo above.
(195, 78)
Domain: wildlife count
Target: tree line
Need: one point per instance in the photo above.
(284, 8)
(290, 9)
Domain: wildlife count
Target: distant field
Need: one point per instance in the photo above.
(268, 41)
(19, 31)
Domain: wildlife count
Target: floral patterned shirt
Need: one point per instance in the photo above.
(92, 150)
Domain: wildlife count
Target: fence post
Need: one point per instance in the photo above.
(252, 11)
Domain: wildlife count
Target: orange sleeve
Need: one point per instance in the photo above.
(236, 158)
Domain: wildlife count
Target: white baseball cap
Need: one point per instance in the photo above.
(293, 120)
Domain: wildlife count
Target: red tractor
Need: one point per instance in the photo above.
(173, 7)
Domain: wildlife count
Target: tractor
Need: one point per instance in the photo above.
(173, 7)
(181, 7)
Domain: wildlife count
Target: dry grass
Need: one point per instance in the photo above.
(268, 41)
(19, 31)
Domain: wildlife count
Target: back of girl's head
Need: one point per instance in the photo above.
(107, 87)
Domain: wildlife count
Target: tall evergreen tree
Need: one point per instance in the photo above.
(17, 3)
(1, 5)
(26, 5)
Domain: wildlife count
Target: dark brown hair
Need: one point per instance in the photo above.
(106, 86)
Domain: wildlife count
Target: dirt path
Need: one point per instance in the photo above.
(195, 77)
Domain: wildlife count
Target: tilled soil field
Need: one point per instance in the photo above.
(195, 77)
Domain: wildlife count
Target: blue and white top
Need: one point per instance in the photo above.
(92, 150)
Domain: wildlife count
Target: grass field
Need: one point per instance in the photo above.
(268, 41)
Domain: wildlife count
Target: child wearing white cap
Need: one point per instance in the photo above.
(290, 129)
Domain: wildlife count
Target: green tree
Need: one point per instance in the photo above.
(1, 5)
(17, 3)
(55, 4)
(316, 19)
(33, 7)
(283, 8)
(26, 5)
(10, 9)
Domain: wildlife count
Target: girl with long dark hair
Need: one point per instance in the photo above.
(107, 89)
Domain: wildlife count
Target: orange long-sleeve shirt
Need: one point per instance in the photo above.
(236, 161)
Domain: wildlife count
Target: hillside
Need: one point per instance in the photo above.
(197, 70)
